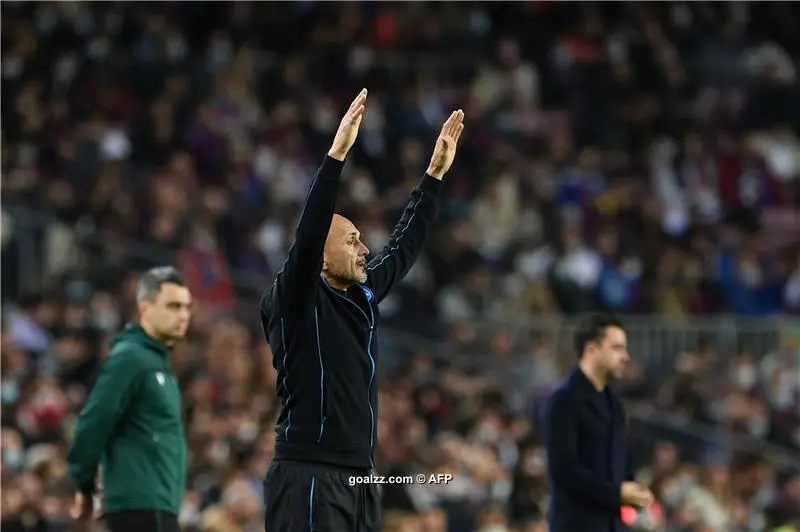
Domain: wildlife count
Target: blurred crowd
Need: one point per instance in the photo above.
(639, 158)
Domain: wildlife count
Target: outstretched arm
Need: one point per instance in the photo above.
(406, 241)
(298, 279)
(395, 260)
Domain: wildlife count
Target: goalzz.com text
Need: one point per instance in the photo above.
(433, 478)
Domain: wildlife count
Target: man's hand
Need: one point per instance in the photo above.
(348, 128)
(445, 150)
(634, 494)
(83, 508)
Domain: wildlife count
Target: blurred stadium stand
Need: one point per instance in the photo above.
(629, 157)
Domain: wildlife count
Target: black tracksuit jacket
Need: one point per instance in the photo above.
(324, 341)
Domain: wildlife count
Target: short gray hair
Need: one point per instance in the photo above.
(151, 281)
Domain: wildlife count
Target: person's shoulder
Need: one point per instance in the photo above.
(564, 391)
(561, 404)
(271, 299)
(126, 356)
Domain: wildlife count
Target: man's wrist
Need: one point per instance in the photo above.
(431, 185)
(434, 173)
(335, 154)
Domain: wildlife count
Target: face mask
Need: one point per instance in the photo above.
(750, 275)
(220, 452)
(78, 290)
(221, 51)
(534, 463)
(675, 222)
(324, 119)
(107, 321)
(98, 49)
(66, 69)
(488, 434)
(204, 242)
(176, 49)
(758, 427)
(12, 67)
(479, 23)
(46, 21)
(746, 377)
(360, 60)
(362, 190)
(782, 394)
(631, 268)
(9, 390)
(189, 516)
(375, 238)
(530, 223)
(373, 122)
(672, 496)
(247, 432)
(13, 459)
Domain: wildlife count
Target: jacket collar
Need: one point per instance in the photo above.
(133, 332)
(579, 381)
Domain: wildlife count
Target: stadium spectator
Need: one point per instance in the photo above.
(638, 157)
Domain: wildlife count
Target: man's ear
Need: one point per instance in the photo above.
(324, 265)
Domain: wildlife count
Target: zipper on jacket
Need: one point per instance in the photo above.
(323, 384)
(371, 324)
(369, 388)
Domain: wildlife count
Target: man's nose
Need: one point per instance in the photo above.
(364, 250)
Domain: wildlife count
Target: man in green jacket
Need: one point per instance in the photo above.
(131, 425)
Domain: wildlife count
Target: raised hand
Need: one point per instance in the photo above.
(445, 150)
(348, 128)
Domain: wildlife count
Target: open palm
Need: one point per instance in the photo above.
(445, 150)
(348, 127)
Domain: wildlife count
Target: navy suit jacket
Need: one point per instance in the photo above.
(585, 434)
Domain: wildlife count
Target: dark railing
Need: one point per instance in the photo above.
(654, 341)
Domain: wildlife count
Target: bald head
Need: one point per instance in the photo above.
(341, 229)
(340, 223)
(344, 259)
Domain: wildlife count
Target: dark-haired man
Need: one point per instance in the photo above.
(131, 425)
(585, 433)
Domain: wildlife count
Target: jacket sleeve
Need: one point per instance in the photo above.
(299, 277)
(394, 261)
(105, 406)
(561, 439)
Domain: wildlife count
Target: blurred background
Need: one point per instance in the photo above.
(639, 158)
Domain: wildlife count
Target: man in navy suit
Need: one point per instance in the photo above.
(586, 437)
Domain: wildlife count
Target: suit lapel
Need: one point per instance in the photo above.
(591, 396)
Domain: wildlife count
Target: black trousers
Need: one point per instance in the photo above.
(310, 497)
(141, 521)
